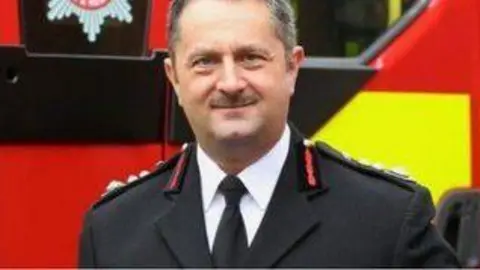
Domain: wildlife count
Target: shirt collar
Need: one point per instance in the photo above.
(210, 177)
(260, 178)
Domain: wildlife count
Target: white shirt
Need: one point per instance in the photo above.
(260, 180)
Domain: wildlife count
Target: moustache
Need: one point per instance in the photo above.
(233, 100)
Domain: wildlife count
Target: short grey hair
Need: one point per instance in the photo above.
(281, 12)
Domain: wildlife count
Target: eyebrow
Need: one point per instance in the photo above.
(202, 51)
(254, 49)
(240, 50)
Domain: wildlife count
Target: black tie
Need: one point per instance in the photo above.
(230, 245)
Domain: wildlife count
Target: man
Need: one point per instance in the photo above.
(252, 192)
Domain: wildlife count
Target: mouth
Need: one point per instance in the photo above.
(236, 105)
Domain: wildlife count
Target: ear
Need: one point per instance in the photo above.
(172, 77)
(296, 59)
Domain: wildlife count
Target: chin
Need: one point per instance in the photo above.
(236, 131)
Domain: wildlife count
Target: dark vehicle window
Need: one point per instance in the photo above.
(345, 28)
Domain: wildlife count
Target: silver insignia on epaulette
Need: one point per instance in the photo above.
(308, 143)
(132, 178)
(365, 162)
(346, 155)
(113, 185)
(143, 173)
(399, 172)
(378, 166)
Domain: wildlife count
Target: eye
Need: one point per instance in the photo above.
(252, 57)
(202, 62)
(252, 60)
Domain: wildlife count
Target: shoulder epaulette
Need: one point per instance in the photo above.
(397, 178)
(116, 188)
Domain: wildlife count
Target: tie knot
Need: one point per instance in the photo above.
(233, 189)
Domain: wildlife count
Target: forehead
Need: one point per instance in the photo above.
(216, 21)
(225, 9)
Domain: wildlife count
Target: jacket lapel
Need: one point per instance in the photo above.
(289, 217)
(182, 227)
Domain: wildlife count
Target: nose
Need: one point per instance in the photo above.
(231, 80)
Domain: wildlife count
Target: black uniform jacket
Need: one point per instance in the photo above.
(326, 211)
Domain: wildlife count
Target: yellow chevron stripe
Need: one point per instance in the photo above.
(394, 11)
(426, 134)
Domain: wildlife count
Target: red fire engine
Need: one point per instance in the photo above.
(83, 101)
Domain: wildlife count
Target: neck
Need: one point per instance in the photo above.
(234, 157)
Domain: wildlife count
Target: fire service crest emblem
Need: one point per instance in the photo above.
(90, 13)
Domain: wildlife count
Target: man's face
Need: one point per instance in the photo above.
(230, 73)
